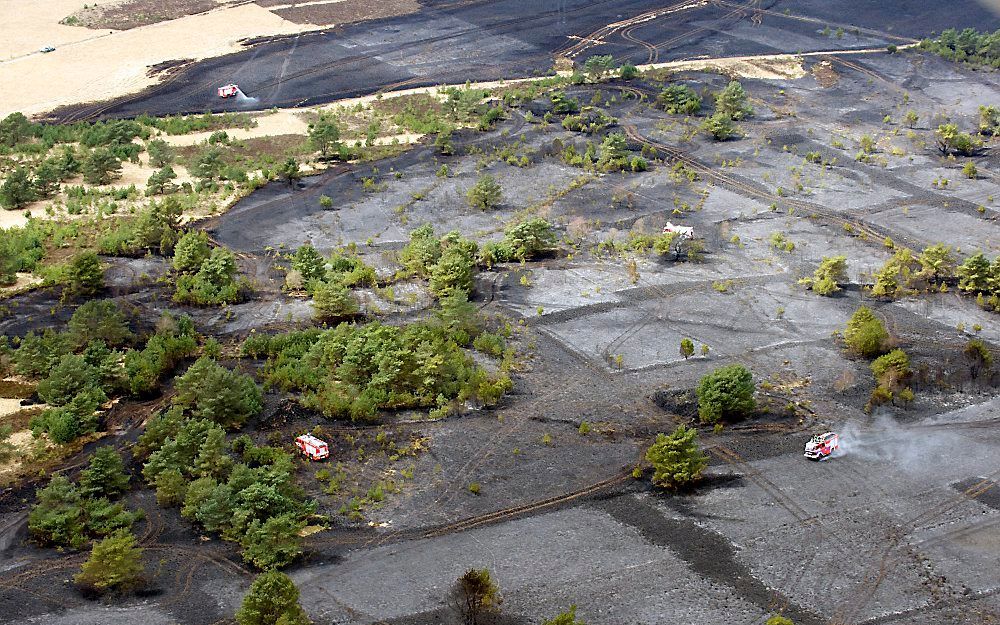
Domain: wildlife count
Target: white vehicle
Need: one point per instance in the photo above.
(821, 446)
(228, 91)
(312, 447)
(47, 49)
(684, 232)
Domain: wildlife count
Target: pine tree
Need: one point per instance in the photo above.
(191, 251)
(212, 460)
(676, 459)
(115, 564)
(865, 333)
(105, 475)
(272, 598)
(309, 263)
(974, 274)
(687, 348)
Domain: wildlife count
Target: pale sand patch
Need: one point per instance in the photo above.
(24, 281)
(16, 218)
(9, 406)
(22, 442)
(138, 174)
(761, 66)
(772, 67)
(30, 25)
(115, 65)
(282, 122)
(297, 5)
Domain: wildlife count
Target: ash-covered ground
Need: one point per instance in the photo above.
(903, 526)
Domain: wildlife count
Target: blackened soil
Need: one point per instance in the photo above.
(709, 554)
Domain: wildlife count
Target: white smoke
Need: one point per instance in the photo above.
(245, 100)
(885, 440)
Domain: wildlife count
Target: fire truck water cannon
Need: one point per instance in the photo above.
(312, 447)
(822, 446)
(228, 91)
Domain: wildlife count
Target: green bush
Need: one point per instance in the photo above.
(190, 251)
(214, 284)
(733, 101)
(101, 167)
(98, 320)
(309, 263)
(679, 100)
(84, 275)
(20, 250)
(332, 300)
(676, 459)
(725, 392)
(865, 334)
(210, 391)
(115, 564)
(831, 273)
(486, 194)
(64, 517)
(272, 599)
(105, 474)
(17, 189)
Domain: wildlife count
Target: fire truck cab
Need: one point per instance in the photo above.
(312, 447)
(821, 446)
(684, 232)
(228, 91)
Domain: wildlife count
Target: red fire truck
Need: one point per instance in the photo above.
(312, 447)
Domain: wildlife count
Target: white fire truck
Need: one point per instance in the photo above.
(312, 447)
(821, 446)
(228, 91)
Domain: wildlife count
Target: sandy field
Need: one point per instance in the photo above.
(29, 26)
(92, 67)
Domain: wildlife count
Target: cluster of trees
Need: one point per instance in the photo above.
(611, 155)
(102, 148)
(329, 281)
(590, 121)
(523, 241)
(20, 250)
(353, 371)
(731, 105)
(240, 490)
(207, 276)
(968, 46)
(69, 515)
(865, 335)
(952, 140)
(81, 367)
(906, 273)
(154, 228)
(448, 262)
(679, 100)
(831, 273)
